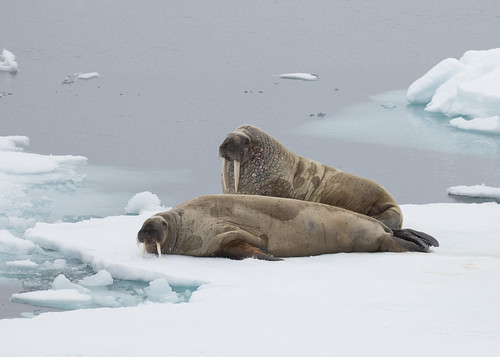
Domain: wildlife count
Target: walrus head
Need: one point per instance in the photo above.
(236, 148)
(259, 163)
(153, 233)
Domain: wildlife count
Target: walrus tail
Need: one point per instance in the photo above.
(414, 240)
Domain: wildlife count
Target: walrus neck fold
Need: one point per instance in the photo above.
(174, 225)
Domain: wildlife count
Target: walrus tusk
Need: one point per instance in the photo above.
(143, 249)
(236, 175)
(158, 248)
(224, 174)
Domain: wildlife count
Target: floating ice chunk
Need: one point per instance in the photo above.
(299, 76)
(89, 75)
(102, 278)
(61, 283)
(144, 201)
(58, 264)
(159, 291)
(11, 143)
(63, 299)
(480, 191)
(13, 245)
(422, 90)
(467, 87)
(24, 263)
(489, 124)
(21, 171)
(7, 62)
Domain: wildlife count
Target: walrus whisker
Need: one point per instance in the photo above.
(143, 249)
(236, 175)
(224, 173)
(158, 248)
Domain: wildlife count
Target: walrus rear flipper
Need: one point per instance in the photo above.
(239, 249)
(422, 240)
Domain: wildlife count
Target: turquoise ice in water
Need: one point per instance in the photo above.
(389, 119)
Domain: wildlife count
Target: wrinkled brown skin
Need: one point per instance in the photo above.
(247, 226)
(269, 169)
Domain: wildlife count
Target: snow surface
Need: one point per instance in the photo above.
(468, 87)
(8, 62)
(381, 304)
(475, 191)
(299, 76)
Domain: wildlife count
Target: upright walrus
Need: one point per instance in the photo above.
(248, 226)
(258, 164)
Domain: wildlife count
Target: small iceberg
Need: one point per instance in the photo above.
(477, 191)
(8, 61)
(144, 202)
(300, 76)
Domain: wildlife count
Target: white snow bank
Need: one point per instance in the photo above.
(299, 76)
(144, 201)
(489, 124)
(481, 191)
(468, 87)
(21, 171)
(8, 62)
(331, 304)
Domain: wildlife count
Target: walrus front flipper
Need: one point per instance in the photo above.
(422, 240)
(239, 249)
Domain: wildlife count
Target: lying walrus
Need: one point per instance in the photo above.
(247, 226)
(258, 164)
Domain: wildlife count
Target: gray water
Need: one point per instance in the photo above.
(177, 76)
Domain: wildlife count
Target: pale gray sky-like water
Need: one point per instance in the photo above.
(176, 77)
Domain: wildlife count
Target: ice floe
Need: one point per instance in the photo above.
(89, 75)
(481, 191)
(24, 263)
(101, 278)
(468, 88)
(8, 62)
(385, 298)
(488, 125)
(144, 201)
(22, 171)
(299, 76)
